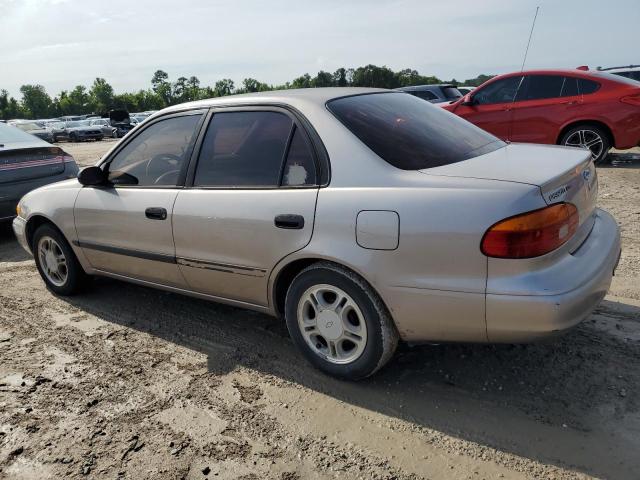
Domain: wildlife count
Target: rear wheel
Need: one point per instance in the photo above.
(589, 136)
(338, 322)
(56, 262)
(73, 137)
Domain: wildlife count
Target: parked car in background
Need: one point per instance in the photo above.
(310, 204)
(121, 121)
(36, 129)
(576, 108)
(464, 89)
(630, 71)
(105, 126)
(77, 131)
(438, 93)
(26, 162)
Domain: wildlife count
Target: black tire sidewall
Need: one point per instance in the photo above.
(75, 274)
(605, 139)
(368, 362)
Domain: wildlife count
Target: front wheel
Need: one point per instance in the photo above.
(56, 262)
(591, 137)
(338, 322)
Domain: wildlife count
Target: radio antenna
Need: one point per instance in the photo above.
(530, 35)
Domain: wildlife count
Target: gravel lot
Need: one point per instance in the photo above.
(128, 382)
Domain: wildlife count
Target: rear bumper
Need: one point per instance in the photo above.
(524, 318)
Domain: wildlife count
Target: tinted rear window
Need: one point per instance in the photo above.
(587, 86)
(410, 133)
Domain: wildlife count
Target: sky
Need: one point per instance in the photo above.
(64, 43)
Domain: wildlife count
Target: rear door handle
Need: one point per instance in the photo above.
(156, 213)
(289, 221)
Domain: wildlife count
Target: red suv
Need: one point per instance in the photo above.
(566, 107)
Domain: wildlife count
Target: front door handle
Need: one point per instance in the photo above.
(289, 221)
(156, 213)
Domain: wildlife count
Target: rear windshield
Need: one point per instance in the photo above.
(451, 93)
(410, 133)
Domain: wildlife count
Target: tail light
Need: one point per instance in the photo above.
(632, 99)
(531, 234)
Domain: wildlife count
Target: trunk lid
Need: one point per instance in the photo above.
(27, 163)
(563, 174)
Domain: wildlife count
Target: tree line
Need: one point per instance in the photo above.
(35, 102)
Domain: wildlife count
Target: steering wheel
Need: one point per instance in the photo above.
(167, 160)
(167, 175)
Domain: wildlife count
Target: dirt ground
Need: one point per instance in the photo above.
(129, 382)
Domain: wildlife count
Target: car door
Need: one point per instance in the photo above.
(491, 106)
(543, 105)
(124, 228)
(250, 202)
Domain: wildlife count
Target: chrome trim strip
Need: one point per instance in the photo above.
(158, 257)
(162, 257)
(222, 267)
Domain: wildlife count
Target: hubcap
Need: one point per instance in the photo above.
(332, 324)
(52, 261)
(586, 139)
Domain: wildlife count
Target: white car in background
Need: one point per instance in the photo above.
(630, 71)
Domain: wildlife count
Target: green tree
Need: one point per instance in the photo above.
(303, 81)
(340, 78)
(323, 79)
(193, 88)
(101, 95)
(409, 77)
(79, 100)
(36, 102)
(223, 88)
(162, 86)
(253, 85)
(374, 76)
(479, 80)
(9, 107)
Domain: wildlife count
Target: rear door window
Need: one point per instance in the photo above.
(411, 134)
(538, 87)
(244, 149)
(586, 87)
(569, 87)
(500, 91)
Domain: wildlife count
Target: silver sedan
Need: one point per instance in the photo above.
(361, 216)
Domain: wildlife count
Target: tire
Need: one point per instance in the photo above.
(55, 139)
(335, 349)
(114, 133)
(73, 137)
(67, 281)
(589, 136)
(98, 139)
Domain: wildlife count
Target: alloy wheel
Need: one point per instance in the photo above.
(586, 138)
(52, 261)
(332, 324)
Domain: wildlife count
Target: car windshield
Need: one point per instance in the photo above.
(410, 133)
(26, 127)
(79, 123)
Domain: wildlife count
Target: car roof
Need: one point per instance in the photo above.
(294, 97)
(426, 87)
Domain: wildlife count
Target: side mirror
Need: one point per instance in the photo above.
(468, 100)
(92, 176)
